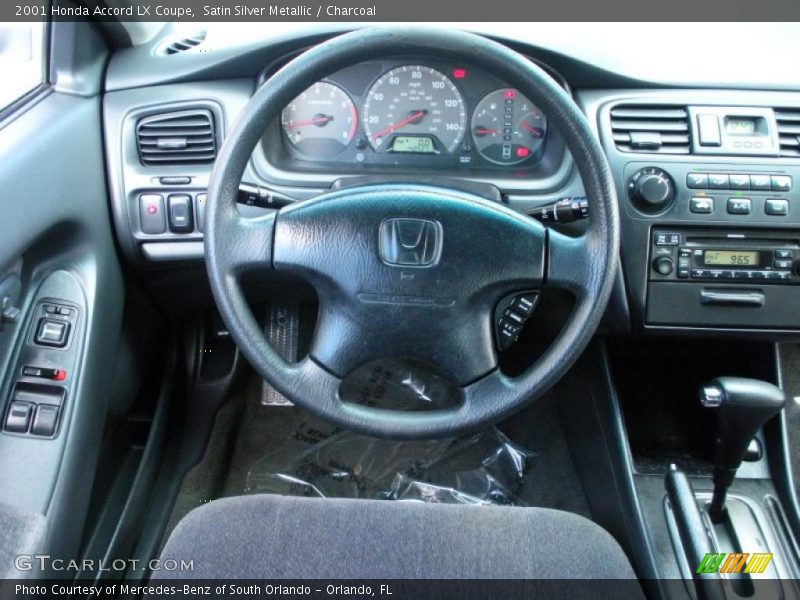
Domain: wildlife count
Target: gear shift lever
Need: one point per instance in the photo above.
(743, 406)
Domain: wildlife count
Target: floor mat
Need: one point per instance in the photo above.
(484, 468)
(252, 445)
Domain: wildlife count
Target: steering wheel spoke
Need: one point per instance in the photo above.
(248, 242)
(572, 263)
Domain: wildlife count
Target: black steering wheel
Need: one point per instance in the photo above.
(467, 253)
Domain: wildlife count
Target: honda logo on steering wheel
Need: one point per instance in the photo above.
(405, 242)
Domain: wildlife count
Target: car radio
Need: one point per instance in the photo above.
(695, 255)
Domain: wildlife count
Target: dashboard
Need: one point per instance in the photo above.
(706, 176)
(422, 114)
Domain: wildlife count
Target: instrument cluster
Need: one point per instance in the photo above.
(420, 113)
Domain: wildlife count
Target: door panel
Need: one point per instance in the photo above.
(55, 234)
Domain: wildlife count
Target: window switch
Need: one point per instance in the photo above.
(45, 421)
(52, 333)
(18, 417)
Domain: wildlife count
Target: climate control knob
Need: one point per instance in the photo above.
(651, 190)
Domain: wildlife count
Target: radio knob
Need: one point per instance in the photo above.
(651, 189)
(663, 265)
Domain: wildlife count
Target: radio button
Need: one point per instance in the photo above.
(697, 181)
(776, 207)
(759, 274)
(718, 181)
(684, 262)
(760, 182)
(739, 206)
(742, 275)
(739, 181)
(701, 205)
(663, 265)
(699, 273)
(683, 273)
(785, 275)
(783, 254)
(715, 274)
(783, 264)
(727, 274)
(781, 183)
(667, 239)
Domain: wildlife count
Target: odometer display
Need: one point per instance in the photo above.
(414, 100)
(417, 143)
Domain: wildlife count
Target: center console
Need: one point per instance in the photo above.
(708, 184)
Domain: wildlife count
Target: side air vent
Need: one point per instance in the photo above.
(650, 128)
(183, 43)
(789, 130)
(177, 138)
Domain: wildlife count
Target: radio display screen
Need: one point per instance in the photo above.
(731, 258)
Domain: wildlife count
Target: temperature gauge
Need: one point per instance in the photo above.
(507, 128)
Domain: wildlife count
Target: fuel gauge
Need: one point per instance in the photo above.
(507, 128)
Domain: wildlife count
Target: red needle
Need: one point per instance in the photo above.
(313, 121)
(536, 132)
(399, 124)
(485, 131)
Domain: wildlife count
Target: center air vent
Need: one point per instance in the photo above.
(789, 130)
(650, 128)
(177, 138)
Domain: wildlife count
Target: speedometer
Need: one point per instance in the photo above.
(414, 109)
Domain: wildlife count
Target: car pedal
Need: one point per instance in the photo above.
(283, 332)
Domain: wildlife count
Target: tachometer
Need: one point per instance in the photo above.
(321, 121)
(507, 127)
(414, 109)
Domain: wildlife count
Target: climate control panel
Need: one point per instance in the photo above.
(706, 193)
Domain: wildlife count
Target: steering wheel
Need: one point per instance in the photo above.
(466, 253)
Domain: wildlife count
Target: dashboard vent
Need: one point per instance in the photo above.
(789, 130)
(183, 43)
(650, 128)
(177, 138)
